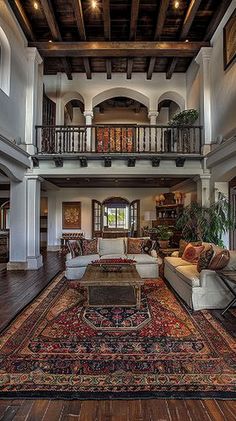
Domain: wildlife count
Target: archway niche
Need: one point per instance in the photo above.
(74, 113)
(120, 110)
(169, 104)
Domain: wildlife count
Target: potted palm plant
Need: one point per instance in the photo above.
(208, 224)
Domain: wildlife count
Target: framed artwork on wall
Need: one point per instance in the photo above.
(71, 215)
(229, 40)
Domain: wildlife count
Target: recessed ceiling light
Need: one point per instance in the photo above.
(50, 40)
(176, 4)
(94, 4)
(68, 178)
(36, 6)
(186, 40)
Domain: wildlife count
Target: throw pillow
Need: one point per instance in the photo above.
(134, 245)
(183, 244)
(220, 259)
(90, 246)
(205, 258)
(191, 253)
(148, 245)
(74, 247)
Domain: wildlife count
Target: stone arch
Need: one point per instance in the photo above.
(5, 63)
(125, 92)
(69, 96)
(173, 96)
(12, 173)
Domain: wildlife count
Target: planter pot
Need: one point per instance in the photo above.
(164, 244)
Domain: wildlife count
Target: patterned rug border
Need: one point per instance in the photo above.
(119, 395)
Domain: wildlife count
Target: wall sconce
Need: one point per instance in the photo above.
(157, 199)
(178, 197)
(162, 198)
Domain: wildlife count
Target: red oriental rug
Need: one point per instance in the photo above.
(53, 349)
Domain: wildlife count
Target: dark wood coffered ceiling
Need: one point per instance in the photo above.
(129, 182)
(125, 36)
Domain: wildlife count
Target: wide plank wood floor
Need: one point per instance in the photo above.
(18, 288)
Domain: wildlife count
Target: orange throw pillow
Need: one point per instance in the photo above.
(191, 253)
(220, 259)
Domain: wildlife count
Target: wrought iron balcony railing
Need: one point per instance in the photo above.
(118, 139)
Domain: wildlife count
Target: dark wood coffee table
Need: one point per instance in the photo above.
(112, 289)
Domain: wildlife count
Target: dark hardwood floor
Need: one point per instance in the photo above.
(18, 288)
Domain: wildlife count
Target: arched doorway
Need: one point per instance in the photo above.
(74, 113)
(115, 217)
(167, 109)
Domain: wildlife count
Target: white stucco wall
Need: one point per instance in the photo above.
(121, 115)
(85, 196)
(12, 107)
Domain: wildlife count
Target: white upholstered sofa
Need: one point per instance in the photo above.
(203, 290)
(147, 265)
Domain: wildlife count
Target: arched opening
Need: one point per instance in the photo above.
(74, 113)
(5, 63)
(120, 92)
(120, 110)
(115, 217)
(167, 109)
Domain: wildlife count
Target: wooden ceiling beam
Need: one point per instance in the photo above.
(132, 33)
(87, 67)
(188, 20)
(77, 6)
(216, 18)
(106, 19)
(108, 68)
(79, 17)
(133, 19)
(22, 19)
(107, 31)
(119, 49)
(151, 66)
(130, 63)
(158, 31)
(55, 31)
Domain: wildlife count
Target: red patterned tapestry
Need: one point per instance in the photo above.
(115, 139)
(58, 348)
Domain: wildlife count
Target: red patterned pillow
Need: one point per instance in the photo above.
(205, 258)
(191, 253)
(74, 247)
(90, 246)
(134, 245)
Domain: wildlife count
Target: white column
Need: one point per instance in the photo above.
(18, 241)
(25, 224)
(152, 115)
(54, 219)
(34, 93)
(203, 59)
(34, 258)
(88, 121)
(203, 189)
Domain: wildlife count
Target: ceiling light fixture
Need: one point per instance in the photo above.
(94, 4)
(36, 6)
(176, 4)
(50, 40)
(186, 40)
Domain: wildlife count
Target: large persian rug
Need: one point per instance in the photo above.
(58, 349)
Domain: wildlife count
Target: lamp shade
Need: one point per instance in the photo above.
(149, 216)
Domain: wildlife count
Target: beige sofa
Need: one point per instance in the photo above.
(203, 290)
(147, 265)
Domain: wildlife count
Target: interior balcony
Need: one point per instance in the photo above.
(117, 141)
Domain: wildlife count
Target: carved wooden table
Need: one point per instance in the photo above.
(112, 289)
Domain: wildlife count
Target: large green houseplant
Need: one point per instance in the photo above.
(208, 224)
(184, 118)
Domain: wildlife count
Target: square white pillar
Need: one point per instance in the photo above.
(34, 257)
